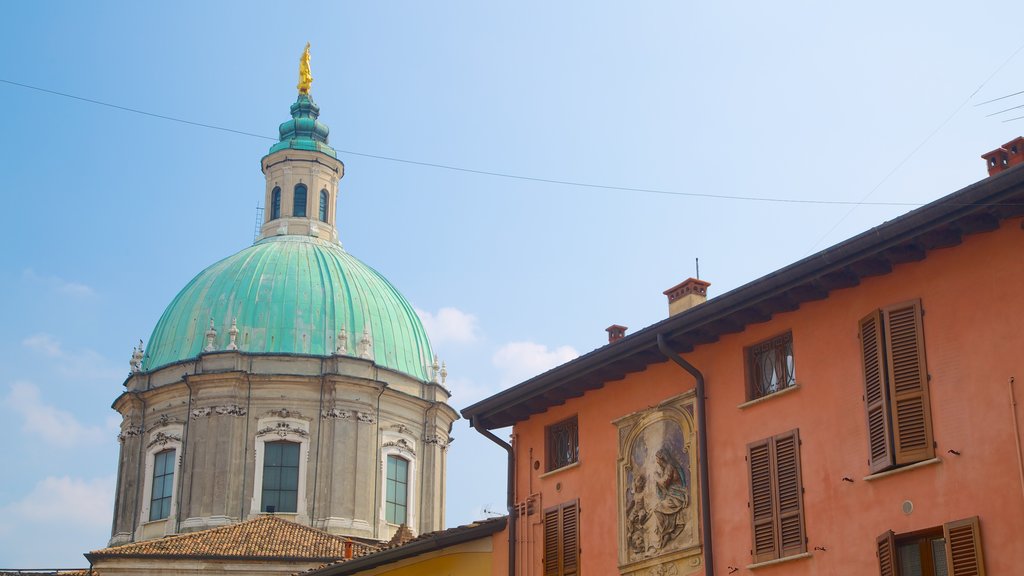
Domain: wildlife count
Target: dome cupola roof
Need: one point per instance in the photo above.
(292, 294)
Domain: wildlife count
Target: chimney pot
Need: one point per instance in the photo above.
(1014, 151)
(616, 332)
(997, 160)
(686, 295)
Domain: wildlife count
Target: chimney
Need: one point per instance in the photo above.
(686, 295)
(1015, 151)
(997, 160)
(616, 332)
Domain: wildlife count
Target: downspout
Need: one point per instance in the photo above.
(511, 492)
(184, 453)
(138, 469)
(1016, 435)
(702, 447)
(319, 440)
(245, 445)
(377, 463)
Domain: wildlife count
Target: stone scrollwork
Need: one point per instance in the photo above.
(402, 445)
(438, 440)
(365, 417)
(282, 429)
(336, 413)
(128, 432)
(225, 410)
(162, 439)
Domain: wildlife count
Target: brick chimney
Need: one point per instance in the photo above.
(616, 332)
(1015, 151)
(996, 160)
(686, 295)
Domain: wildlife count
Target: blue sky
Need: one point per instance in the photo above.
(108, 214)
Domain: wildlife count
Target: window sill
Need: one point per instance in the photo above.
(782, 392)
(562, 469)
(906, 468)
(800, 556)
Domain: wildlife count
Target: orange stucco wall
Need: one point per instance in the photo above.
(973, 297)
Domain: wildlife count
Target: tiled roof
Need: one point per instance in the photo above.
(399, 549)
(261, 537)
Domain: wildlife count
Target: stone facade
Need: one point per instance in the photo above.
(218, 411)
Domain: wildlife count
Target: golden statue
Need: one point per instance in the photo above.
(305, 77)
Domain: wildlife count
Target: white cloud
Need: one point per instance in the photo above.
(466, 392)
(43, 343)
(450, 325)
(57, 500)
(50, 424)
(519, 361)
(58, 284)
(80, 364)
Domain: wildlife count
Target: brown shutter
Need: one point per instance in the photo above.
(561, 540)
(551, 539)
(762, 505)
(875, 393)
(908, 383)
(963, 548)
(570, 539)
(789, 491)
(887, 555)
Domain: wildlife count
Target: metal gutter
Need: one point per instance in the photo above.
(510, 493)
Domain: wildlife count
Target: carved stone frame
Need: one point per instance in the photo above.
(681, 560)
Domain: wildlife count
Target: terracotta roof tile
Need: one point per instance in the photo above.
(261, 537)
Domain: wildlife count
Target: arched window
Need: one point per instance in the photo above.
(299, 206)
(280, 477)
(323, 205)
(275, 203)
(163, 485)
(397, 492)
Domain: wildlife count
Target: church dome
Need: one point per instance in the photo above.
(292, 294)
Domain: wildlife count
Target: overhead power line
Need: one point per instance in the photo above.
(852, 203)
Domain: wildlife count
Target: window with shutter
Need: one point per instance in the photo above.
(951, 550)
(776, 497)
(561, 540)
(896, 387)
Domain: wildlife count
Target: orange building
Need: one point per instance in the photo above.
(851, 413)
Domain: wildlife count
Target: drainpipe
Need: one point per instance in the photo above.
(1016, 434)
(184, 453)
(702, 447)
(512, 522)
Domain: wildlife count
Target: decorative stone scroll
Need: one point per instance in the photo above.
(282, 429)
(128, 432)
(438, 440)
(336, 413)
(402, 445)
(657, 490)
(162, 439)
(227, 410)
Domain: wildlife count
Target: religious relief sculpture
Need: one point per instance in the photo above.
(658, 518)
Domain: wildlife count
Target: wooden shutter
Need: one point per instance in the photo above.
(908, 383)
(887, 554)
(963, 548)
(551, 541)
(876, 393)
(561, 540)
(762, 501)
(570, 539)
(789, 494)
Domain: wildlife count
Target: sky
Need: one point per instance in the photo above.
(784, 108)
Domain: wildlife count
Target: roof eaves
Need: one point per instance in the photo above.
(971, 199)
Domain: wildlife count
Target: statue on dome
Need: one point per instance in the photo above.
(305, 76)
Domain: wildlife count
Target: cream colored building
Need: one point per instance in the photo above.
(288, 379)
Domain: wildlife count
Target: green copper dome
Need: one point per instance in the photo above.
(292, 295)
